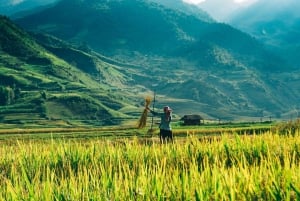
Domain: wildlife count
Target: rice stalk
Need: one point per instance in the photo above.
(143, 119)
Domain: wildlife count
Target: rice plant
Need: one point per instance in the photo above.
(230, 167)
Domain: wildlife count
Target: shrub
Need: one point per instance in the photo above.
(288, 128)
(7, 95)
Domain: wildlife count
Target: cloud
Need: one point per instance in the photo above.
(15, 2)
(241, 1)
(193, 1)
(10, 2)
(232, 1)
(245, 2)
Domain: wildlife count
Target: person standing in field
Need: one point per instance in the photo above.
(165, 133)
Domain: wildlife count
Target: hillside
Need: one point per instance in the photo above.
(198, 66)
(276, 23)
(56, 84)
(119, 28)
(11, 7)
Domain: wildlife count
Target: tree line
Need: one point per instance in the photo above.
(8, 95)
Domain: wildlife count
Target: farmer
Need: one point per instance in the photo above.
(165, 133)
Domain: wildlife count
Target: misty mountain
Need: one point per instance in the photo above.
(116, 28)
(276, 23)
(220, 10)
(197, 65)
(11, 7)
(186, 8)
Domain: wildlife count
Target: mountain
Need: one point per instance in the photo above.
(116, 28)
(11, 7)
(46, 81)
(219, 9)
(194, 64)
(276, 23)
(188, 9)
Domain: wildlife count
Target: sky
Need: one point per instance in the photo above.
(201, 1)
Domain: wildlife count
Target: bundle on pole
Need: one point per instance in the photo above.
(143, 119)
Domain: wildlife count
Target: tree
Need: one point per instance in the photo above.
(7, 95)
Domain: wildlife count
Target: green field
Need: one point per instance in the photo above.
(214, 162)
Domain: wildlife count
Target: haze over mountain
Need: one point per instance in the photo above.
(194, 63)
(276, 23)
(9, 7)
(222, 10)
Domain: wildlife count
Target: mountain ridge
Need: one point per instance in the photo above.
(203, 67)
(109, 31)
(274, 23)
(41, 86)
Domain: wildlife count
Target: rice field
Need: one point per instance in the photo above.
(223, 167)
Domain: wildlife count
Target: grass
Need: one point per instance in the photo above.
(129, 166)
(31, 75)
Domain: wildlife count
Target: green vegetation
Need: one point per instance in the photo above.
(290, 127)
(72, 88)
(223, 167)
(46, 81)
(212, 67)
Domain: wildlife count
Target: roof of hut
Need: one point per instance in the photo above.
(192, 117)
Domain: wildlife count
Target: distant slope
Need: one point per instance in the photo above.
(11, 7)
(121, 27)
(188, 9)
(217, 69)
(55, 84)
(276, 23)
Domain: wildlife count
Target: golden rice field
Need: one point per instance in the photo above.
(227, 167)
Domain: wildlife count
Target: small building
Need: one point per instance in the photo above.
(192, 119)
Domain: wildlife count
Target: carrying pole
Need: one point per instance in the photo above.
(154, 100)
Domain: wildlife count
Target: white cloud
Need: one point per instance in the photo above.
(235, 1)
(246, 2)
(4, 3)
(240, 1)
(193, 1)
(15, 2)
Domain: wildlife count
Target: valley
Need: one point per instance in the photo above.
(99, 70)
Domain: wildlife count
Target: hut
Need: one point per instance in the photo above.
(192, 119)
